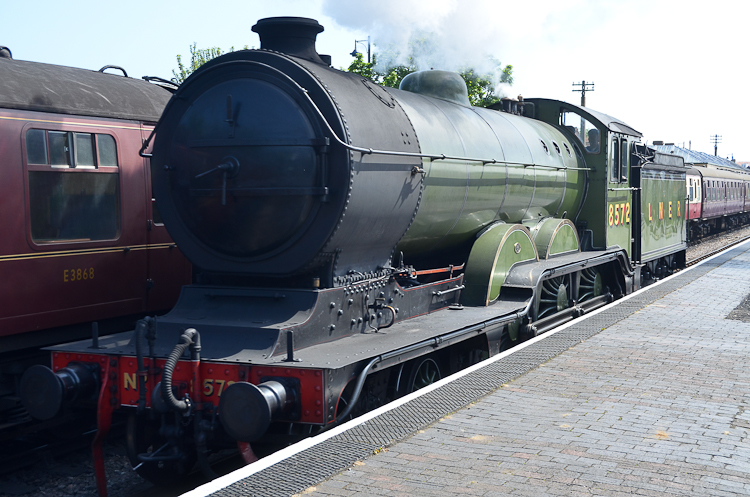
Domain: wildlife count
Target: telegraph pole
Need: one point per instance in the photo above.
(715, 139)
(584, 87)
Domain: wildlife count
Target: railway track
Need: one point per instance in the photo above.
(712, 245)
(33, 464)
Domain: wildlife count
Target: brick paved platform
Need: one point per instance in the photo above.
(654, 400)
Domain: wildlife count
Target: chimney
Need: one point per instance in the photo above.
(292, 36)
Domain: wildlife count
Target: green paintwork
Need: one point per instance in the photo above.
(492, 256)
(620, 198)
(460, 198)
(553, 237)
(601, 191)
(662, 234)
(562, 298)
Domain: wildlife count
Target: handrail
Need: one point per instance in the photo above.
(370, 151)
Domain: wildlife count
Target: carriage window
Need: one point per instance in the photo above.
(587, 134)
(691, 193)
(59, 148)
(78, 202)
(84, 150)
(36, 146)
(73, 206)
(107, 150)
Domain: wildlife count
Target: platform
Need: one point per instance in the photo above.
(647, 397)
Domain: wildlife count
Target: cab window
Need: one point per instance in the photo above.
(587, 134)
(614, 159)
(74, 186)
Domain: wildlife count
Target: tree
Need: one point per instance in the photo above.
(359, 66)
(198, 57)
(480, 86)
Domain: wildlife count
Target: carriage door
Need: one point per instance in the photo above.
(619, 204)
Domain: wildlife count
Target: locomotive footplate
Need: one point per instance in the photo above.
(270, 358)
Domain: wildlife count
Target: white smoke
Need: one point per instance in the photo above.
(447, 34)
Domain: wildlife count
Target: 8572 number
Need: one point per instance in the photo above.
(619, 214)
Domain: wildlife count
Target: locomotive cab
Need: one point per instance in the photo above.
(642, 189)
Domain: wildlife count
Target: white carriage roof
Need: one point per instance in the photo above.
(695, 157)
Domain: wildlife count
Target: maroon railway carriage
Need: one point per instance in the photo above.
(717, 199)
(81, 239)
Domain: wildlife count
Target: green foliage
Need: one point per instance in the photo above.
(393, 76)
(480, 86)
(359, 66)
(198, 57)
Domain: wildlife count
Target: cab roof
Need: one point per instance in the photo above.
(611, 123)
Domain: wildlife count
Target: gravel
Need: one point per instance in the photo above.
(74, 476)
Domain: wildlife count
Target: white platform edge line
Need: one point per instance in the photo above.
(249, 470)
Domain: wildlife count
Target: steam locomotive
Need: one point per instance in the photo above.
(81, 245)
(354, 243)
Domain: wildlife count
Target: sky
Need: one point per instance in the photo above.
(676, 71)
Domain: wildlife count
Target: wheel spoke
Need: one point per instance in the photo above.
(427, 372)
(553, 291)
